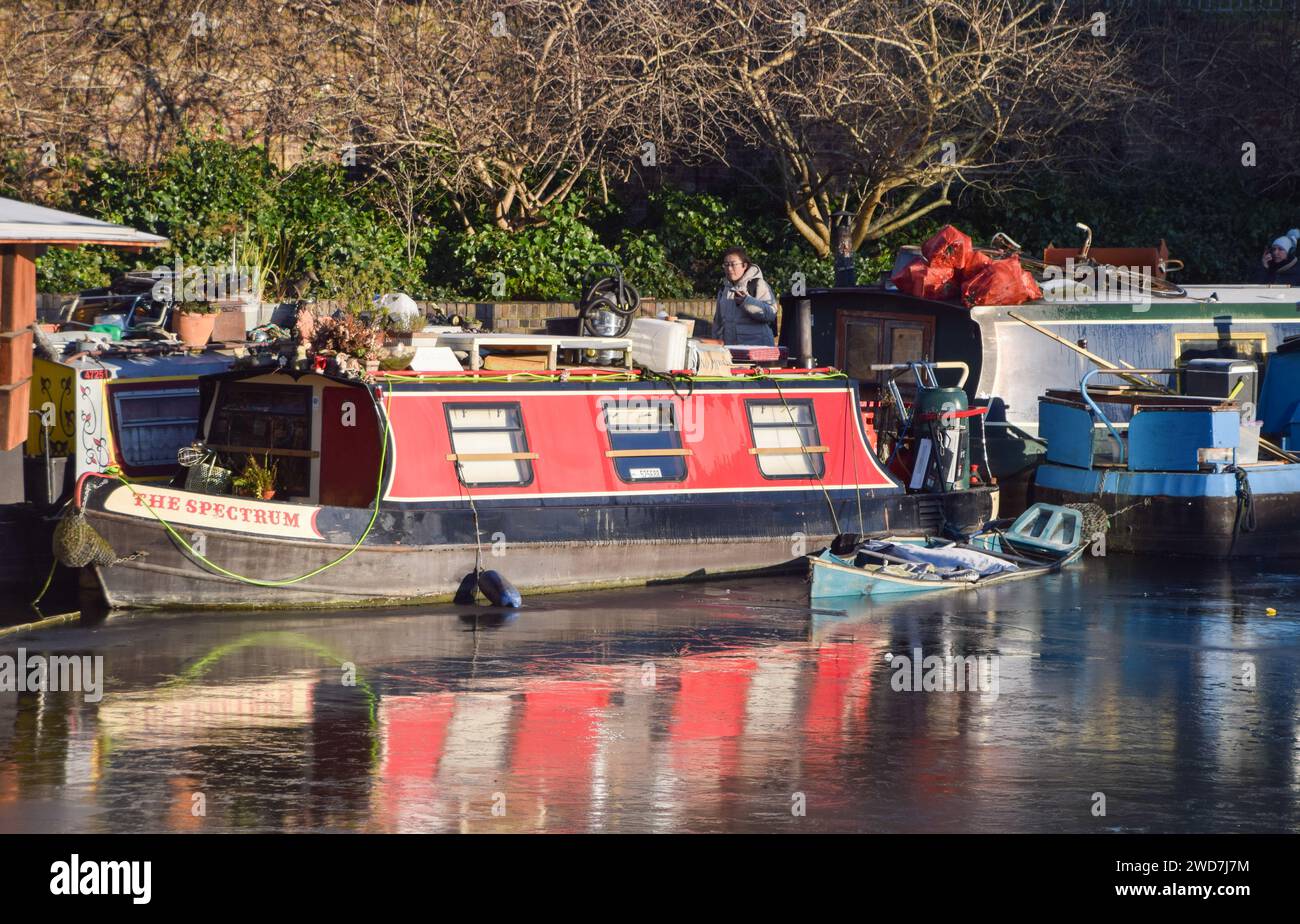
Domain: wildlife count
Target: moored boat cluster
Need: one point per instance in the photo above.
(877, 447)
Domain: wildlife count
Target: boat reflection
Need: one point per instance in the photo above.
(682, 710)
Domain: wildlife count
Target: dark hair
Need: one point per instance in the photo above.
(736, 252)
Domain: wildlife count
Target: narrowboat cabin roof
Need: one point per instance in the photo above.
(156, 365)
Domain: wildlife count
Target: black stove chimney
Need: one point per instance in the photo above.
(846, 272)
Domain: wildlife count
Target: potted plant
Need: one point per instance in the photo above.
(399, 328)
(257, 479)
(195, 321)
(349, 339)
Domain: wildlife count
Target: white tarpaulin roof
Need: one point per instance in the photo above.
(24, 223)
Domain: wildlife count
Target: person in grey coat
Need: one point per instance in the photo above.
(746, 308)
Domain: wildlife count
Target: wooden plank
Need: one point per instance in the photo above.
(1093, 357)
(17, 289)
(1146, 399)
(1278, 451)
(489, 456)
(15, 414)
(15, 356)
(516, 362)
(632, 453)
(787, 450)
(261, 450)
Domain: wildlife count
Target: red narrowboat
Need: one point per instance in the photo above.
(398, 489)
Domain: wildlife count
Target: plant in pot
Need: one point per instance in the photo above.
(195, 321)
(346, 336)
(398, 327)
(257, 479)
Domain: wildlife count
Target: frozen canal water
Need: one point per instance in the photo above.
(1161, 693)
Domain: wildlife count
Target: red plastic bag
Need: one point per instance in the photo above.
(1002, 282)
(975, 264)
(948, 248)
(925, 281)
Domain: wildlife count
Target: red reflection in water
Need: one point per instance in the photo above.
(415, 730)
(545, 749)
(556, 740)
(709, 715)
(840, 693)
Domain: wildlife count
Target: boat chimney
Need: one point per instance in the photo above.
(846, 272)
(803, 332)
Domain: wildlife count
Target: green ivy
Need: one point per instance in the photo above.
(548, 260)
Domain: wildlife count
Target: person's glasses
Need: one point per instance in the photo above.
(732, 264)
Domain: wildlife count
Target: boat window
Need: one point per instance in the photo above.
(1249, 346)
(864, 338)
(489, 444)
(266, 421)
(152, 425)
(782, 431)
(649, 427)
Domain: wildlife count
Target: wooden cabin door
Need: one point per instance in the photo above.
(349, 448)
(864, 338)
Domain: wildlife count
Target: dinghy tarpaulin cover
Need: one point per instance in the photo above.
(946, 560)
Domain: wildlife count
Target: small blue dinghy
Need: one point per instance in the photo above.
(1042, 540)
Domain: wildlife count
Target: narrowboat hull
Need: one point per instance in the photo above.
(25, 537)
(1200, 514)
(423, 554)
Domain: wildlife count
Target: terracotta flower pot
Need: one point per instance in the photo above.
(195, 330)
(268, 494)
